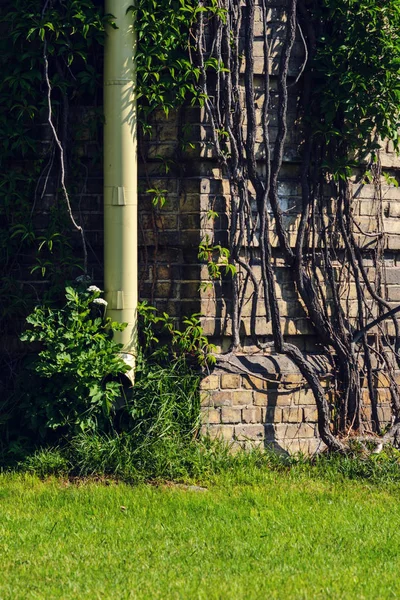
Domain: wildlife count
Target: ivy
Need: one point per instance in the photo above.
(167, 76)
(34, 245)
(357, 63)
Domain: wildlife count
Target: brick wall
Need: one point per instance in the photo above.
(261, 398)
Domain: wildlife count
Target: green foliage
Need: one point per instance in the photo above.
(188, 343)
(216, 257)
(75, 391)
(166, 73)
(46, 462)
(358, 60)
(35, 239)
(156, 428)
(204, 460)
(75, 366)
(158, 196)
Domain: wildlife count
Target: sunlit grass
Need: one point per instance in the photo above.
(284, 537)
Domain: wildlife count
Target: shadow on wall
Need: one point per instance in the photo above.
(262, 400)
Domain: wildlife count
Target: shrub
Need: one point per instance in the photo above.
(75, 387)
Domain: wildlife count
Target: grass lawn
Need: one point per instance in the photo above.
(279, 537)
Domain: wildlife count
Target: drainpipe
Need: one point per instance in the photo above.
(120, 176)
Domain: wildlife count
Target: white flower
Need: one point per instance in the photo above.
(100, 301)
(93, 288)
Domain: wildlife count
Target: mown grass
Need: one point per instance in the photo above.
(256, 533)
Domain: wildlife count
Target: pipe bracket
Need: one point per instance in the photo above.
(117, 300)
(118, 196)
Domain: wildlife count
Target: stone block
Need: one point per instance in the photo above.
(295, 446)
(310, 414)
(272, 414)
(273, 398)
(249, 432)
(393, 243)
(242, 398)
(295, 378)
(382, 380)
(316, 445)
(252, 444)
(230, 381)
(366, 413)
(210, 415)
(294, 431)
(393, 275)
(206, 399)
(292, 414)
(366, 400)
(393, 293)
(303, 396)
(251, 382)
(252, 415)
(224, 432)
(211, 382)
(222, 398)
(385, 413)
(261, 398)
(231, 415)
(383, 395)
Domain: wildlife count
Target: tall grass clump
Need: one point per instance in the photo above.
(156, 427)
(143, 431)
(149, 431)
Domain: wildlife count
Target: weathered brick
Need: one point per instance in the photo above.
(206, 399)
(231, 415)
(293, 378)
(242, 397)
(273, 398)
(296, 446)
(366, 413)
(211, 382)
(252, 415)
(303, 396)
(224, 432)
(310, 414)
(222, 398)
(251, 382)
(292, 414)
(210, 415)
(272, 414)
(251, 432)
(385, 413)
(393, 274)
(316, 445)
(292, 431)
(382, 380)
(384, 395)
(252, 444)
(261, 398)
(393, 292)
(366, 400)
(230, 381)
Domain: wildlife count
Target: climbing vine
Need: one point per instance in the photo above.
(51, 63)
(347, 91)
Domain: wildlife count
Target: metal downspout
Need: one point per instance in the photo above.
(120, 175)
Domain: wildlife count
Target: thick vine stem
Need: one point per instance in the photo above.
(325, 261)
(309, 375)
